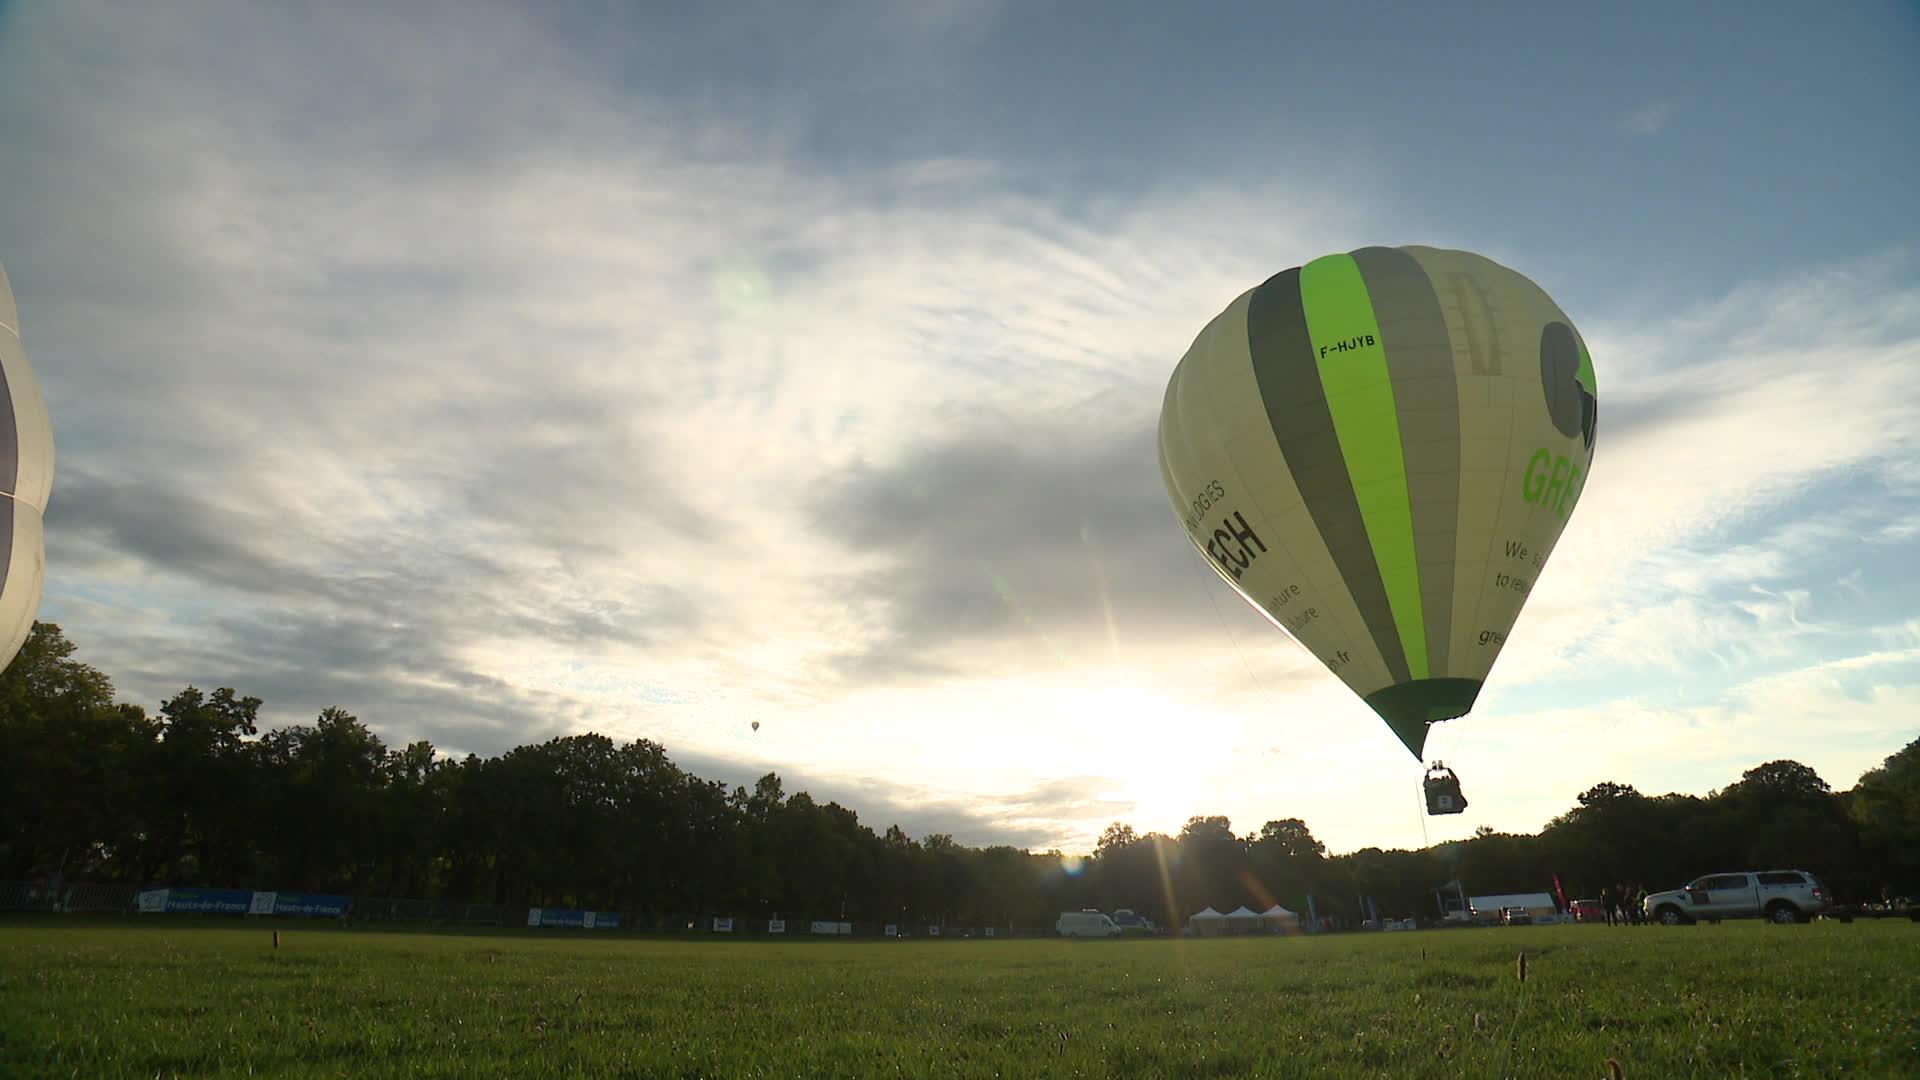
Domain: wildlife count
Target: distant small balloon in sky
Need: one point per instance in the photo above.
(756, 725)
(26, 479)
(1378, 450)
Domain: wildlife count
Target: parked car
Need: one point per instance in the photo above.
(1587, 911)
(1515, 916)
(1783, 896)
(1130, 922)
(1087, 923)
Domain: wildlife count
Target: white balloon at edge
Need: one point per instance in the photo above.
(26, 480)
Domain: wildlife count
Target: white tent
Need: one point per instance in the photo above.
(1279, 918)
(1243, 920)
(1206, 921)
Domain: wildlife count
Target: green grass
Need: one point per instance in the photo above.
(210, 998)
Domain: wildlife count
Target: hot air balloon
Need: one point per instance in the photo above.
(756, 725)
(26, 478)
(1378, 450)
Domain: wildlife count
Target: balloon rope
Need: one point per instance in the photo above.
(1420, 808)
(1221, 619)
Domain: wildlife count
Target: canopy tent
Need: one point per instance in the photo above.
(1279, 918)
(1206, 923)
(1243, 920)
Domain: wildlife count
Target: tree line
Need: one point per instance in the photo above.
(97, 790)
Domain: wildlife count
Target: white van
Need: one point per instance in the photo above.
(1087, 923)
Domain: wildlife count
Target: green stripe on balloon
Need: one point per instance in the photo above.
(1426, 396)
(1284, 368)
(1359, 390)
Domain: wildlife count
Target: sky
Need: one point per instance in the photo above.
(498, 372)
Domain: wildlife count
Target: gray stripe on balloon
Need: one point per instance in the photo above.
(1426, 396)
(1289, 379)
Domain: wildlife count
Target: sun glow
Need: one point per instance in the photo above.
(1147, 743)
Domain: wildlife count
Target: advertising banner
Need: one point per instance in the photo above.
(214, 901)
(574, 918)
(310, 905)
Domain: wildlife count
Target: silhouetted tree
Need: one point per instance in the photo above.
(197, 794)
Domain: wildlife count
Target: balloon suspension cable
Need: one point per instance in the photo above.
(1426, 767)
(1420, 798)
(1220, 618)
(1454, 746)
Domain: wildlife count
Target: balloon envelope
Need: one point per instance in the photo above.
(1378, 450)
(26, 479)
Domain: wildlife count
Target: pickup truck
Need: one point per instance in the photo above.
(1784, 896)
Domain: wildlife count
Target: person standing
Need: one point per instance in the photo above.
(1608, 902)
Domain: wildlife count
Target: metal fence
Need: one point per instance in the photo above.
(77, 897)
(112, 899)
(393, 909)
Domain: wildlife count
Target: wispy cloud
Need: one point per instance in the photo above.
(445, 379)
(1746, 411)
(617, 421)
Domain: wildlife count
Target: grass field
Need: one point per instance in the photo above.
(214, 999)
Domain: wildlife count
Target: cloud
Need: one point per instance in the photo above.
(1776, 409)
(543, 395)
(369, 623)
(1001, 541)
(490, 388)
(1038, 817)
(1831, 713)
